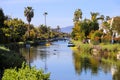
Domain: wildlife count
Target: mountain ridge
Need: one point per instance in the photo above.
(67, 29)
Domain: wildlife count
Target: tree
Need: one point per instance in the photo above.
(14, 29)
(86, 27)
(107, 18)
(94, 16)
(77, 33)
(45, 13)
(29, 14)
(77, 15)
(58, 28)
(102, 17)
(2, 18)
(116, 24)
(94, 25)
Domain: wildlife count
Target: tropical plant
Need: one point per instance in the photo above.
(94, 21)
(45, 13)
(94, 16)
(116, 24)
(29, 14)
(77, 15)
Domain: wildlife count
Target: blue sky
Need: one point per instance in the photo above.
(60, 12)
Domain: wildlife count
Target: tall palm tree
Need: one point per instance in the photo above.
(45, 13)
(58, 28)
(94, 16)
(102, 17)
(94, 20)
(107, 18)
(29, 14)
(77, 15)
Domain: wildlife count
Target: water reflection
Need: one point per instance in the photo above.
(65, 64)
(33, 53)
(116, 73)
(94, 65)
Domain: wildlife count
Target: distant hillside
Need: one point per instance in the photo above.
(67, 29)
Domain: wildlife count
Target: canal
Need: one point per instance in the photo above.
(65, 64)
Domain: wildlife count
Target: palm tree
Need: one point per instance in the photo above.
(94, 21)
(107, 18)
(29, 14)
(94, 16)
(102, 17)
(45, 13)
(58, 28)
(77, 15)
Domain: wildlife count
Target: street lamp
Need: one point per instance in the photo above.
(45, 13)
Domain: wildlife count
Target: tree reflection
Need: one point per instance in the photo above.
(94, 64)
(77, 63)
(33, 53)
(116, 75)
(44, 55)
(85, 63)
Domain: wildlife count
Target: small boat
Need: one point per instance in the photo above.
(70, 44)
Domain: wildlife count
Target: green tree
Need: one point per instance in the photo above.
(45, 14)
(96, 36)
(2, 18)
(43, 32)
(77, 33)
(107, 18)
(14, 29)
(94, 24)
(29, 14)
(86, 27)
(94, 16)
(77, 15)
(116, 24)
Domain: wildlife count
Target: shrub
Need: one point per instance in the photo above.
(25, 73)
(84, 48)
(96, 37)
(106, 38)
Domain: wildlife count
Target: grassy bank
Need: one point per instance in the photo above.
(107, 53)
(87, 47)
(83, 48)
(110, 47)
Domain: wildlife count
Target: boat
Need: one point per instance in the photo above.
(70, 44)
